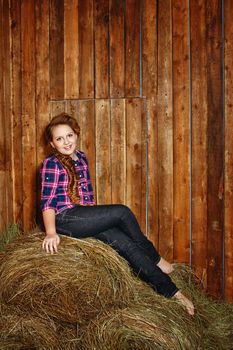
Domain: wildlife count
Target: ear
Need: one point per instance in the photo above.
(51, 143)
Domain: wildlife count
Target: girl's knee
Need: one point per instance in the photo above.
(124, 210)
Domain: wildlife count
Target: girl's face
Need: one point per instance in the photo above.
(64, 140)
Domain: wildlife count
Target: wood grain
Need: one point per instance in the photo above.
(28, 112)
(165, 130)
(71, 52)
(42, 75)
(103, 152)
(118, 150)
(134, 156)
(181, 131)
(149, 49)
(56, 49)
(7, 112)
(87, 135)
(149, 89)
(199, 139)
(117, 48)
(16, 110)
(3, 208)
(101, 48)
(86, 49)
(132, 48)
(214, 147)
(228, 156)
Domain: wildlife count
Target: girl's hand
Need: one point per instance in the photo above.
(50, 243)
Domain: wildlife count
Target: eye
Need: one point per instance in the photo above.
(58, 139)
(70, 135)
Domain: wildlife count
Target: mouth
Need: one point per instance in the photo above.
(67, 148)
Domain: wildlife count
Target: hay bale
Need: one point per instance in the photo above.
(215, 317)
(75, 285)
(24, 331)
(87, 284)
(137, 327)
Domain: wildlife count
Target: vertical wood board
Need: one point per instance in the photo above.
(228, 179)
(165, 130)
(56, 49)
(16, 109)
(117, 48)
(118, 150)
(199, 138)
(71, 57)
(134, 155)
(214, 147)
(101, 29)
(86, 49)
(181, 132)
(28, 112)
(132, 47)
(103, 152)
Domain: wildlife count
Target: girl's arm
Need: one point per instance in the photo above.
(52, 240)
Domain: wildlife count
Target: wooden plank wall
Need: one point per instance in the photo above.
(150, 83)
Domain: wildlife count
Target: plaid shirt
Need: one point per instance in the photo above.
(55, 181)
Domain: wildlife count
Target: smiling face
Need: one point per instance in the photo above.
(64, 139)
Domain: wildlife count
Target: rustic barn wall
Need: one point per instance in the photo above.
(150, 83)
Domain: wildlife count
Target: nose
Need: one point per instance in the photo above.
(66, 141)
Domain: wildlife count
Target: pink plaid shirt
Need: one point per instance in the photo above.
(55, 181)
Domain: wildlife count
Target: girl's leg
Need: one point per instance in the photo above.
(141, 263)
(86, 221)
(78, 224)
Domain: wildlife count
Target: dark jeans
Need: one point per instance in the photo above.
(117, 226)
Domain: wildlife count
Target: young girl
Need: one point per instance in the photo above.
(68, 207)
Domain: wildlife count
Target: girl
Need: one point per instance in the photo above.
(68, 207)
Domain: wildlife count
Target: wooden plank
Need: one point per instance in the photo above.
(117, 48)
(2, 128)
(144, 165)
(149, 48)
(87, 135)
(103, 154)
(28, 112)
(86, 49)
(165, 129)
(56, 52)
(228, 195)
(56, 107)
(181, 132)
(42, 74)
(134, 155)
(101, 49)
(215, 147)
(132, 54)
(6, 66)
(199, 138)
(71, 52)
(153, 168)
(118, 150)
(42, 90)
(16, 105)
(149, 89)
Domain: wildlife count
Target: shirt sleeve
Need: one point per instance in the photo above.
(49, 184)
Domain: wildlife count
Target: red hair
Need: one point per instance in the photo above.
(61, 119)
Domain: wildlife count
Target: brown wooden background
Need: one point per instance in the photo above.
(151, 84)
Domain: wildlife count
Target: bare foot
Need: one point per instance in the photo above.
(185, 302)
(165, 266)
